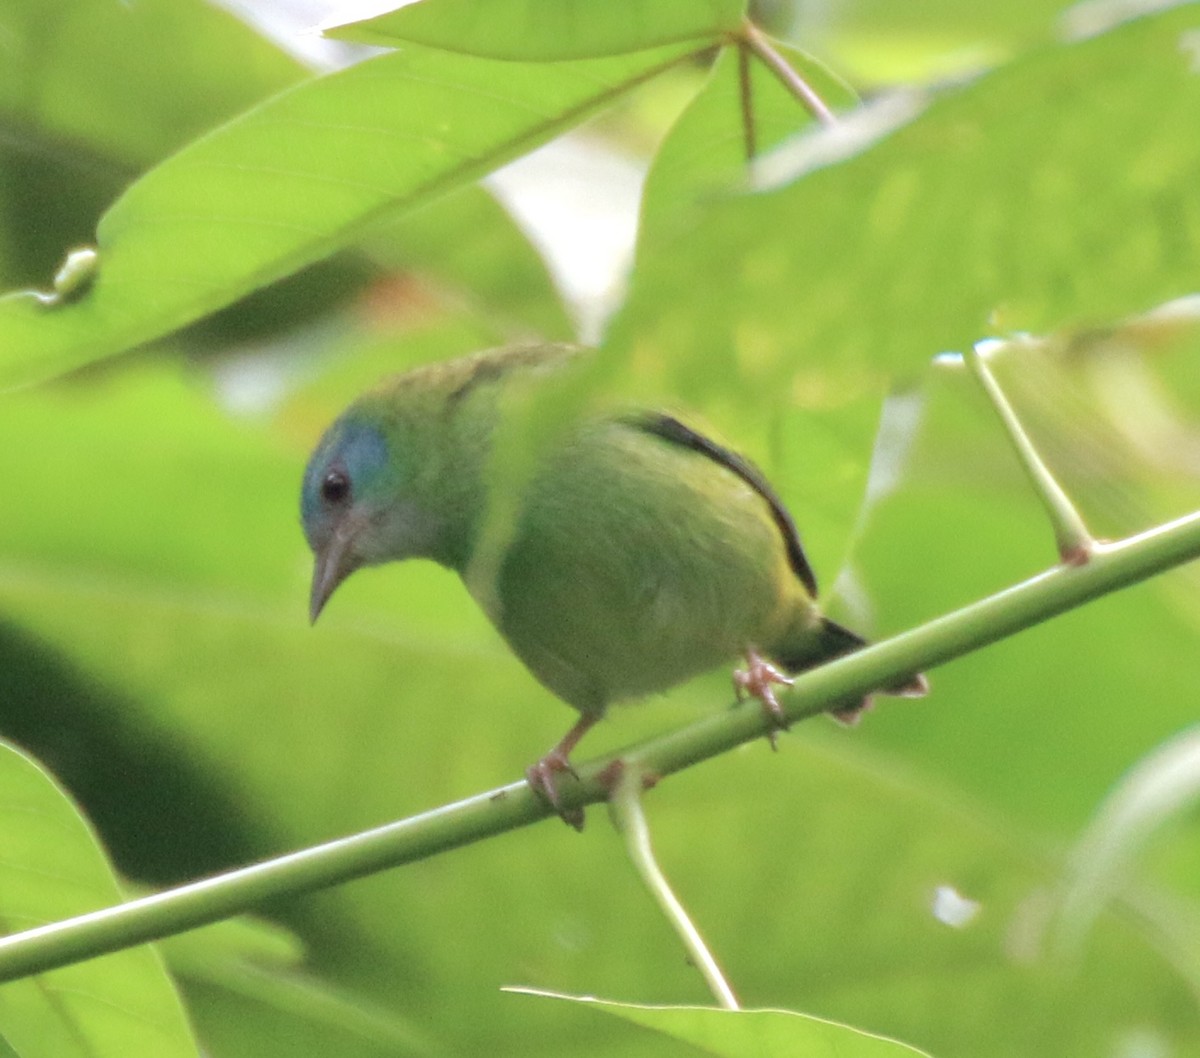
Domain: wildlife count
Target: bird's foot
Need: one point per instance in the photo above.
(758, 680)
(543, 780)
(543, 776)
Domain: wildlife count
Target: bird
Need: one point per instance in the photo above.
(626, 553)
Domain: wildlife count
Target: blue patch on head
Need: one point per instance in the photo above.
(359, 450)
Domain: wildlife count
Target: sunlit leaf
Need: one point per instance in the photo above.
(246, 979)
(468, 248)
(295, 179)
(769, 1033)
(1162, 786)
(131, 81)
(995, 208)
(91, 92)
(548, 30)
(120, 1006)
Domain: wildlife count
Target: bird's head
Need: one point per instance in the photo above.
(358, 505)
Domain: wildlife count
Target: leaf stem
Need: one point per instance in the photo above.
(626, 806)
(746, 98)
(1075, 543)
(1055, 591)
(759, 43)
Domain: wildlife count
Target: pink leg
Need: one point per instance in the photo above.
(758, 680)
(542, 776)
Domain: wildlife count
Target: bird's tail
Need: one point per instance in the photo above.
(834, 641)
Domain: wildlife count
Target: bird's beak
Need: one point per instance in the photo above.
(334, 563)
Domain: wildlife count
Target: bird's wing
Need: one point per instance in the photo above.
(668, 428)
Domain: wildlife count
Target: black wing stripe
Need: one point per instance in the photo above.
(671, 429)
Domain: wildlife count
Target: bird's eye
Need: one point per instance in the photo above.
(336, 487)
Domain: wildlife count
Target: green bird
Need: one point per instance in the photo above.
(637, 552)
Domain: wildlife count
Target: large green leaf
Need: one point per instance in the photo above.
(120, 1006)
(742, 111)
(130, 81)
(471, 253)
(92, 92)
(1060, 188)
(769, 1033)
(249, 993)
(548, 30)
(296, 178)
(877, 41)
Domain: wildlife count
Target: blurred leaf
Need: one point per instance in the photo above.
(250, 994)
(770, 1033)
(875, 41)
(131, 545)
(131, 81)
(548, 31)
(467, 244)
(994, 209)
(1160, 787)
(123, 1005)
(706, 154)
(294, 179)
(93, 91)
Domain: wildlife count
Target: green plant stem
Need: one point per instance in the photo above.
(758, 42)
(1113, 566)
(746, 98)
(626, 805)
(1075, 543)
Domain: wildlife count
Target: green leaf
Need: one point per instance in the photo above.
(120, 1006)
(245, 979)
(996, 208)
(877, 41)
(548, 30)
(468, 246)
(130, 81)
(733, 1034)
(298, 177)
(92, 92)
(1159, 788)
(706, 153)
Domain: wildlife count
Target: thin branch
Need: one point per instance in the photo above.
(1075, 543)
(760, 44)
(746, 96)
(1055, 591)
(626, 805)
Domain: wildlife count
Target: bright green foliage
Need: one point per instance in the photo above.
(91, 92)
(1022, 201)
(297, 178)
(902, 877)
(548, 30)
(122, 1006)
(770, 1033)
(885, 42)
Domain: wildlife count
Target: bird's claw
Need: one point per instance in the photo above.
(543, 780)
(758, 680)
